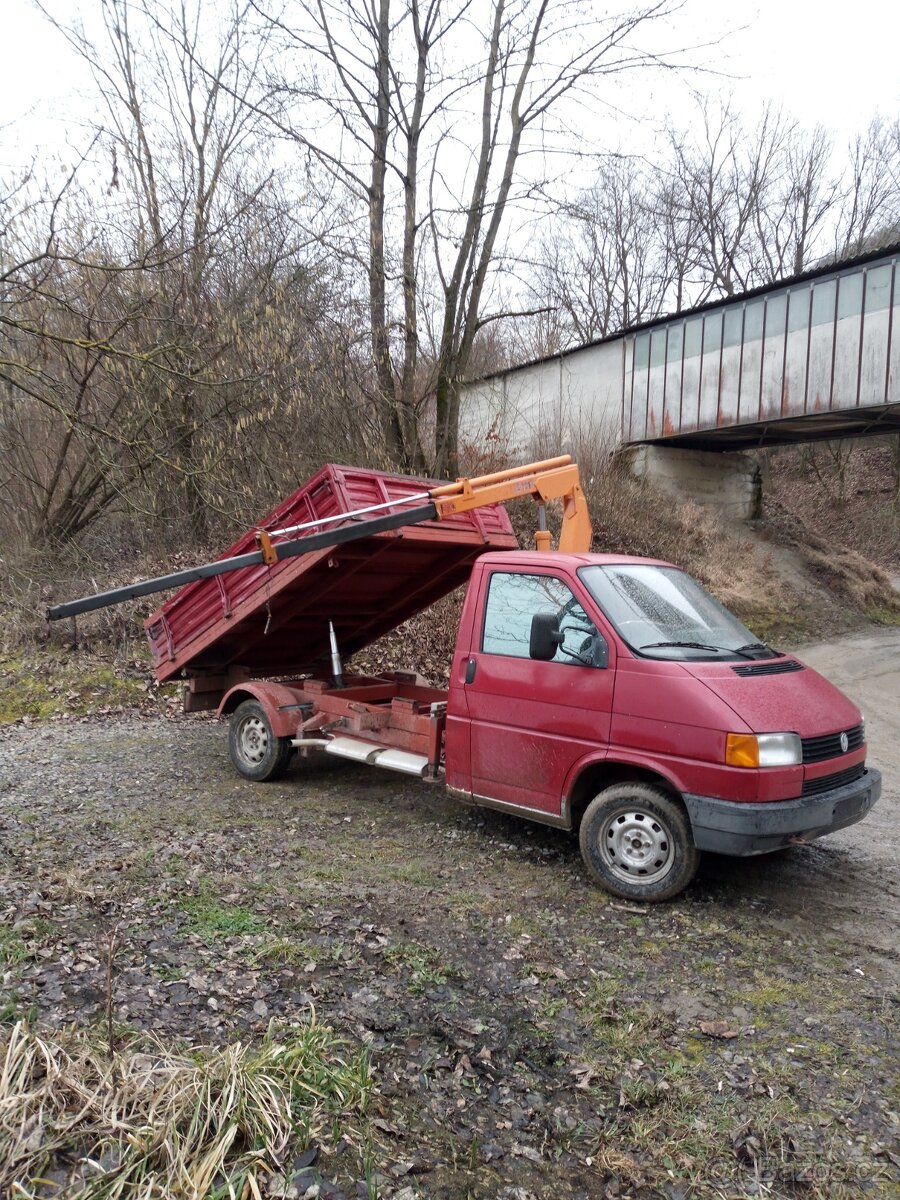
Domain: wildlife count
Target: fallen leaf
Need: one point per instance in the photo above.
(719, 1029)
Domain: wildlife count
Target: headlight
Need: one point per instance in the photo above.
(763, 750)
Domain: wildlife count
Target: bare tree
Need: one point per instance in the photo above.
(604, 266)
(175, 86)
(721, 182)
(726, 208)
(430, 138)
(797, 204)
(172, 346)
(155, 324)
(870, 209)
(57, 438)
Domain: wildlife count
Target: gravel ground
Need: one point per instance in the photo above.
(530, 1036)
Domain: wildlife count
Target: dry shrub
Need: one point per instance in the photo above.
(32, 580)
(859, 582)
(424, 643)
(839, 539)
(857, 507)
(153, 1123)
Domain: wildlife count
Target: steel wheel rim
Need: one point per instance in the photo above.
(636, 845)
(252, 740)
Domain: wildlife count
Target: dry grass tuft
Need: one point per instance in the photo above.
(153, 1123)
(31, 580)
(857, 580)
(851, 544)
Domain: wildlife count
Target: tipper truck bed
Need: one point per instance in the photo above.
(273, 619)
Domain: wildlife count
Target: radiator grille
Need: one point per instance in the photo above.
(817, 749)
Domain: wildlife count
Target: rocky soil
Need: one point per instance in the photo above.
(530, 1036)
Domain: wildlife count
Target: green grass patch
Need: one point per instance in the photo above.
(43, 686)
(771, 625)
(772, 992)
(282, 952)
(333, 873)
(296, 951)
(41, 928)
(884, 616)
(212, 919)
(523, 924)
(423, 963)
(413, 873)
(549, 1007)
(464, 899)
(168, 974)
(621, 1027)
(12, 948)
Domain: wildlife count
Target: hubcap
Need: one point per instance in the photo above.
(253, 740)
(635, 845)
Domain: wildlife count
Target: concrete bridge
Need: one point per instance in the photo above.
(811, 357)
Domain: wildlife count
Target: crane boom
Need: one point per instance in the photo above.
(551, 479)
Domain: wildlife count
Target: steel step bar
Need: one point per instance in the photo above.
(378, 756)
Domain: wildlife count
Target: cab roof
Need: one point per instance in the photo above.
(570, 561)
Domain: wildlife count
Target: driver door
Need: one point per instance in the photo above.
(532, 720)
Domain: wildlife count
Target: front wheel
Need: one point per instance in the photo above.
(636, 841)
(255, 750)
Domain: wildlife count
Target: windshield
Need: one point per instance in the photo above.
(662, 613)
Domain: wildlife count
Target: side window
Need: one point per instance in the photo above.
(514, 599)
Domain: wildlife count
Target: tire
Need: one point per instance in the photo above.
(636, 842)
(254, 749)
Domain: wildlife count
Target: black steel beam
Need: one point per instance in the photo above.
(292, 549)
(783, 431)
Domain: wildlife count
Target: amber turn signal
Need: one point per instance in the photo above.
(741, 750)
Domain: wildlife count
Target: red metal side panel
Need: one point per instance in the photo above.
(274, 620)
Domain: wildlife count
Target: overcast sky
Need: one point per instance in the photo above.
(825, 63)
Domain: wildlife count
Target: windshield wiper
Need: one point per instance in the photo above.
(690, 645)
(754, 646)
(741, 650)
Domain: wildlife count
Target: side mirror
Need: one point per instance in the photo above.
(545, 636)
(598, 651)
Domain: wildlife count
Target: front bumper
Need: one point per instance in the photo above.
(727, 827)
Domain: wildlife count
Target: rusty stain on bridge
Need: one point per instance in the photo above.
(816, 356)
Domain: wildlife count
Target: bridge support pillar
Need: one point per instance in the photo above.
(730, 483)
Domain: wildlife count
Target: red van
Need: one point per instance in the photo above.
(615, 696)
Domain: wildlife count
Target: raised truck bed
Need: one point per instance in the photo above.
(266, 621)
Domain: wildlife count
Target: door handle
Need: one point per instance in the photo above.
(471, 666)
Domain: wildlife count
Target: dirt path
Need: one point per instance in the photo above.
(848, 883)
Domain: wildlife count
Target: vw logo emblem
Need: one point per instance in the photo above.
(845, 743)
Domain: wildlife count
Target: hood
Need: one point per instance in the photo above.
(800, 702)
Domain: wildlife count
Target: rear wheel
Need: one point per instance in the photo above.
(255, 750)
(636, 841)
